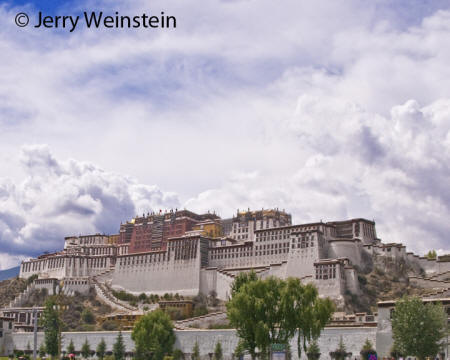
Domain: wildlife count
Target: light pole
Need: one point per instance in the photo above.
(34, 333)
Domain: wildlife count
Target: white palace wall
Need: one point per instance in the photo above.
(60, 267)
(350, 249)
(176, 271)
(353, 339)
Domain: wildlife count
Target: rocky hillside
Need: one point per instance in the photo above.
(9, 289)
(383, 279)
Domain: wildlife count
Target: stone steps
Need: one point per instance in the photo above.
(439, 275)
(105, 294)
(22, 297)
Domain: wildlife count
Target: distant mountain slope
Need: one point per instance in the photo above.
(9, 273)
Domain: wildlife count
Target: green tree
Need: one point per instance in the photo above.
(119, 348)
(341, 352)
(87, 316)
(71, 347)
(253, 311)
(270, 311)
(153, 335)
(195, 352)
(85, 349)
(218, 353)
(418, 328)
(241, 279)
(431, 254)
(101, 349)
(239, 350)
(178, 354)
(313, 351)
(367, 350)
(304, 311)
(52, 327)
(42, 351)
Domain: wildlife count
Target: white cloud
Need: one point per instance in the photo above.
(8, 261)
(353, 163)
(305, 107)
(62, 198)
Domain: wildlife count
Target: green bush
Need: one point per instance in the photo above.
(199, 311)
(109, 325)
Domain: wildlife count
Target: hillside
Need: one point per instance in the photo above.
(383, 279)
(10, 288)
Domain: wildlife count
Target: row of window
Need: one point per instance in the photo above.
(272, 246)
(325, 272)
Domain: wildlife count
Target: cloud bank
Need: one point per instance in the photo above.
(62, 198)
(327, 110)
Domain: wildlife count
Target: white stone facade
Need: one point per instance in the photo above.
(322, 253)
(353, 339)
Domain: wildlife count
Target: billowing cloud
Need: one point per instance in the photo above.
(353, 163)
(62, 198)
(328, 110)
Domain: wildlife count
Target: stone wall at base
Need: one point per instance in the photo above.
(353, 339)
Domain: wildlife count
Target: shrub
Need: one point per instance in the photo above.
(367, 350)
(313, 351)
(362, 279)
(87, 316)
(109, 325)
(178, 354)
(199, 311)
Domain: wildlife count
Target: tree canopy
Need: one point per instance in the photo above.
(101, 349)
(153, 335)
(271, 311)
(241, 279)
(52, 327)
(71, 347)
(85, 349)
(218, 354)
(195, 352)
(119, 348)
(418, 328)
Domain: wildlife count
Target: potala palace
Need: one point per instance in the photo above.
(182, 252)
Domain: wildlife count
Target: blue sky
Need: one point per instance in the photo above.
(327, 110)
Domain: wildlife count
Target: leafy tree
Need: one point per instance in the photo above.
(119, 348)
(305, 311)
(42, 351)
(85, 349)
(195, 352)
(52, 327)
(255, 313)
(87, 316)
(431, 254)
(153, 334)
(270, 311)
(218, 353)
(71, 347)
(241, 279)
(417, 328)
(101, 349)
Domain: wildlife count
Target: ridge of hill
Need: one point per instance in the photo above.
(9, 273)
